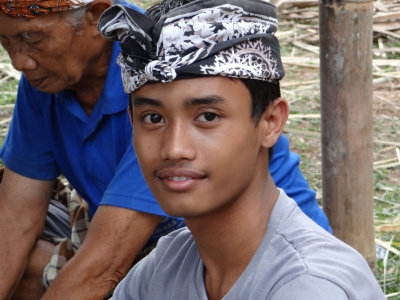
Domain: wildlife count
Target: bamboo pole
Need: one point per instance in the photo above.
(346, 121)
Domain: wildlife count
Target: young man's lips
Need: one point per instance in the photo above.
(179, 179)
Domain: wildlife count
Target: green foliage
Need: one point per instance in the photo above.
(8, 88)
(145, 4)
(8, 82)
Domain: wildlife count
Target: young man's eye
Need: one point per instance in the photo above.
(153, 119)
(207, 117)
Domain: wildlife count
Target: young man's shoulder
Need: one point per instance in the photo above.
(298, 255)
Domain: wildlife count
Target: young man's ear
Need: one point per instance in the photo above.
(273, 120)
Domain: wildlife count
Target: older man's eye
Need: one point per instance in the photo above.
(207, 117)
(30, 38)
(153, 119)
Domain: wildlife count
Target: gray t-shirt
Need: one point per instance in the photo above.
(296, 260)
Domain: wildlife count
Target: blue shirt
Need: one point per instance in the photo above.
(50, 134)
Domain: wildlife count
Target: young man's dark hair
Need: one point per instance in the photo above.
(262, 94)
(205, 161)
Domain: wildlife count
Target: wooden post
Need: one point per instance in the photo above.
(346, 121)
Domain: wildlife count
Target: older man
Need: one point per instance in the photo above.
(70, 118)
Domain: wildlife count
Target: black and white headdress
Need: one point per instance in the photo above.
(234, 38)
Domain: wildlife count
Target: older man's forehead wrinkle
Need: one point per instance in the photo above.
(24, 29)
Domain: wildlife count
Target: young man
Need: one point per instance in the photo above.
(71, 118)
(204, 84)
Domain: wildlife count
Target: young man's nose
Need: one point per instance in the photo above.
(177, 144)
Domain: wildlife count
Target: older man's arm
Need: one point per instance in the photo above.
(115, 237)
(23, 207)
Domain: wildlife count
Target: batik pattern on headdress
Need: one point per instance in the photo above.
(34, 8)
(234, 38)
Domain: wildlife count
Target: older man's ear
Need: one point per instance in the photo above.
(95, 9)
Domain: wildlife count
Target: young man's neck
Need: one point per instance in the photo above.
(228, 239)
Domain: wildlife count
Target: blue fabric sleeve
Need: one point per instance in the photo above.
(26, 149)
(128, 188)
(284, 168)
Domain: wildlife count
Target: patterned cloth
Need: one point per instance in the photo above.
(232, 38)
(67, 247)
(34, 8)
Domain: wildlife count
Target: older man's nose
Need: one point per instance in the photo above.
(19, 55)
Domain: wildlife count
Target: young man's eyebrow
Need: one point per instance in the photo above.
(212, 99)
(138, 101)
